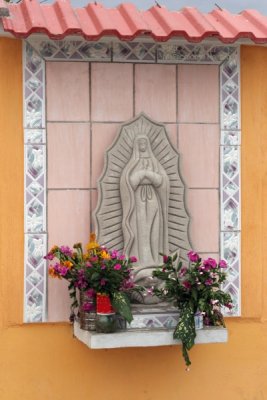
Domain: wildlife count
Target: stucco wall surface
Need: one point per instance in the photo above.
(44, 361)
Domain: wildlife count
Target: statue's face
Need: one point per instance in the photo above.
(142, 145)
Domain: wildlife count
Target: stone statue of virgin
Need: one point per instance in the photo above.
(141, 210)
(144, 188)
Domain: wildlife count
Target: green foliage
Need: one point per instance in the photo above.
(96, 269)
(193, 289)
(186, 331)
(121, 304)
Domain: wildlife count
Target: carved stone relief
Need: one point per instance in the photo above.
(141, 210)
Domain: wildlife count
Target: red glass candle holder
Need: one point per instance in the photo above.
(103, 304)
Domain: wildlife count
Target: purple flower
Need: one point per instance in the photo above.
(229, 305)
(103, 266)
(63, 270)
(90, 292)
(133, 259)
(88, 307)
(182, 271)
(66, 250)
(81, 284)
(165, 259)
(209, 282)
(127, 284)
(117, 267)
(209, 263)
(49, 256)
(222, 264)
(187, 284)
(103, 282)
(193, 257)
(114, 254)
(122, 257)
(57, 267)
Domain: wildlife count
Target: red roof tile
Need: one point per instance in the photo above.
(126, 22)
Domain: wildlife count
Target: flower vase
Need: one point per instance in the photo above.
(106, 321)
(87, 310)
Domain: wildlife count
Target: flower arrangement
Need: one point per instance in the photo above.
(96, 271)
(193, 289)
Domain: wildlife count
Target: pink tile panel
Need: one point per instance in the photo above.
(199, 154)
(67, 91)
(68, 223)
(203, 208)
(68, 155)
(172, 134)
(112, 92)
(198, 93)
(102, 137)
(155, 91)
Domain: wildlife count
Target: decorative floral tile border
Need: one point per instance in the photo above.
(36, 52)
(35, 186)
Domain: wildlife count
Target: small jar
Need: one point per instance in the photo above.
(198, 320)
(87, 311)
(106, 323)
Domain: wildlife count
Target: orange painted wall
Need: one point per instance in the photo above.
(44, 361)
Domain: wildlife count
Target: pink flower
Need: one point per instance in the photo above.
(90, 292)
(209, 263)
(182, 271)
(66, 250)
(88, 264)
(165, 259)
(193, 257)
(49, 256)
(88, 307)
(62, 270)
(122, 257)
(209, 282)
(114, 254)
(94, 258)
(133, 259)
(222, 264)
(103, 282)
(117, 267)
(127, 284)
(229, 305)
(103, 266)
(187, 284)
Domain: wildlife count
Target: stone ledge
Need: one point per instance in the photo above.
(145, 338)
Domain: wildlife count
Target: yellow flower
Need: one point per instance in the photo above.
(54, 248)
(92, 245)
(104, 254)
(53, 273)
(68, 264)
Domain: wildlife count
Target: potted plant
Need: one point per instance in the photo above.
(193, 289)
(97, 273)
